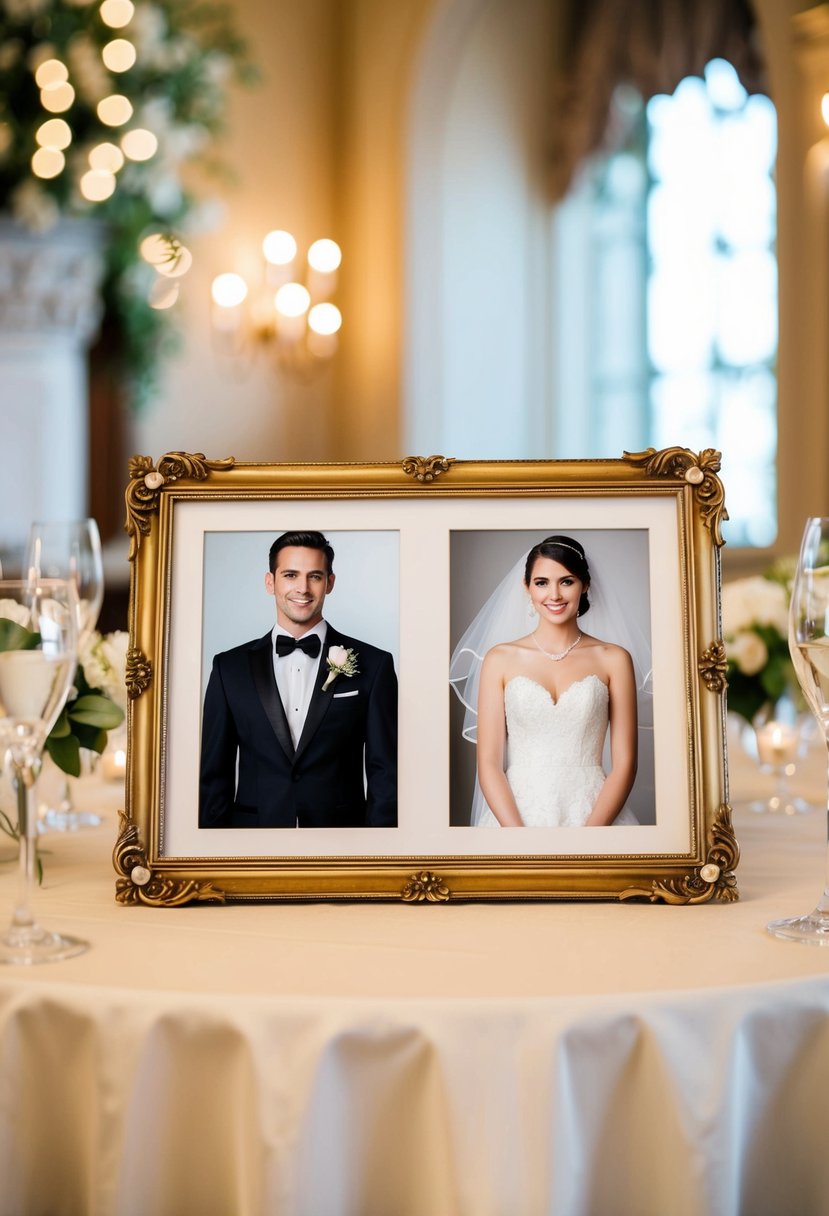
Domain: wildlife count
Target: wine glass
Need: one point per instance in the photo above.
(809, 646)
(70, 549)
(38, 650)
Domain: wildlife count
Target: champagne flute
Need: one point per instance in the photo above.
(38, 649)
(70, 549)
(809, 646)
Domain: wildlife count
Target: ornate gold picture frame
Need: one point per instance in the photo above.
(199, 528)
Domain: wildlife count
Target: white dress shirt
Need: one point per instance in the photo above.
(295, 675)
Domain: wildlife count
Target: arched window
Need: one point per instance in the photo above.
(674, 233)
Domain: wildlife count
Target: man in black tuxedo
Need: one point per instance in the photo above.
(305, 710)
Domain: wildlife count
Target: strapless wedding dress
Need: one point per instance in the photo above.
(554, 752)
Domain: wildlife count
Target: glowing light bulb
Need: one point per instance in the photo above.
(114, 110)
(139, 144)
(108, 157)
(229, 290)
(178, 261)
(292, 300)
(324, 256)
(279, 247)
(97, 185)
(54, 133)
(325, 319)
(57, 98)
(155, 248)
(48, 162)
(117, 13)
(51, 72)
(824, 108)
(119, 55)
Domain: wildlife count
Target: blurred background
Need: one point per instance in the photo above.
(354, 230)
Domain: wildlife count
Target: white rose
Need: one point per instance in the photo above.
(748, 652)
(754, 601)
(337, 655)
(114, 650)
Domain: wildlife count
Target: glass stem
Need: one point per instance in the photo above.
(24, 779)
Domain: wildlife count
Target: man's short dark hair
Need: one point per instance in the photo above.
(301, 540)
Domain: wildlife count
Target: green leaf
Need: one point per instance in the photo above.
(66, 754)
(62, 727)
(90, 737)
(96, 710)
(16, 637)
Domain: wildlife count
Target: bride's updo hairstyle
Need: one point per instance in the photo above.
(569, 554)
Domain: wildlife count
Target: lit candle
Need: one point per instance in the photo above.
(114, 765)
(776, 743)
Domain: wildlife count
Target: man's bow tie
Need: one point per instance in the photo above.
(285, 645)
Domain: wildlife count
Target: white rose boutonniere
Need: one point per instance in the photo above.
(340, 662)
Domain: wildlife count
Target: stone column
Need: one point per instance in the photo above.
(50, 308)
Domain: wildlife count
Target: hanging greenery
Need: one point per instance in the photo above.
(105, 108)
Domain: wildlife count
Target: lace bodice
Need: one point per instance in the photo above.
(547, 734)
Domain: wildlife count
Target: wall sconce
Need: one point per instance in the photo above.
(289, 315)
(824, 108)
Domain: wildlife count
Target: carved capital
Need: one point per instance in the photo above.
(50, 281)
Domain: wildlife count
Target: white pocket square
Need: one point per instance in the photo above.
(354, 693)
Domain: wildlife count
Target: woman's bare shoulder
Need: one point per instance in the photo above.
(615, 656)
(506, 652)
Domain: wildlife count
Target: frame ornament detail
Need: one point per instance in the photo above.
(699, 471)
(712, 667)
(426, 469)
(425, 886)
(139, 675)
(137, 884)
(146, 482)
(713, 880)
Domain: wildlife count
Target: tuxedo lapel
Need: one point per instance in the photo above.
(261, 666)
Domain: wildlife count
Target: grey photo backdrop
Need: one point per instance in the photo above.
(365, 601)
(478, 562)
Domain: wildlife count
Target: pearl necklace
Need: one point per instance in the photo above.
(556, 658)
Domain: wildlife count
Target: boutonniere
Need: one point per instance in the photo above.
(340, 662)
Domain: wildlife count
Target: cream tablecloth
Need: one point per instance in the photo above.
(576, 1059)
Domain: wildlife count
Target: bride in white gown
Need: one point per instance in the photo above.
(544, 703)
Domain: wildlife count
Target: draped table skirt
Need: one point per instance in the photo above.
(576, 1059)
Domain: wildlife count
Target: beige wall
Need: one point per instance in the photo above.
(317, 148)
(320, 147)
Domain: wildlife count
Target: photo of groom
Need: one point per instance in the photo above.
(299, 727)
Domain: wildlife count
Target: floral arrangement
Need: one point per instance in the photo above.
(756, 629)
(105, 106)
(96, 704)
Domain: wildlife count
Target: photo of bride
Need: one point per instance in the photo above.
(553, 680)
